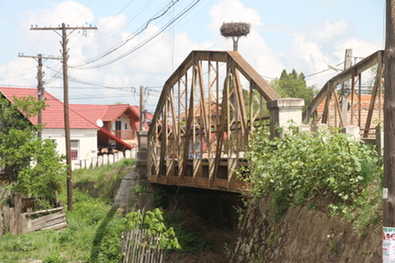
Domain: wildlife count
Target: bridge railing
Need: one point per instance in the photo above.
(203, 120)
(365, 103)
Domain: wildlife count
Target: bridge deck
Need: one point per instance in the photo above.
(201, 180)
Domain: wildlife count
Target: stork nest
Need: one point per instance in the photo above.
(237, 29)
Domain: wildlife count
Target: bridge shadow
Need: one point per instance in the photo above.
(100, 232)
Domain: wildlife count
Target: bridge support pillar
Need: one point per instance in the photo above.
(282, 111)
(144, 199)
(142, 155)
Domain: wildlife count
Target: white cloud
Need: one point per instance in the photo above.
(232, 11)
(360, 48)
(310, 50)
(330, 30)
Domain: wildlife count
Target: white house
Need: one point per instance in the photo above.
(84, 134)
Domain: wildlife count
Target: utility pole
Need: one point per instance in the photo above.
(389, 127)
(346, 87)
(40, 85)
(142, 108)
(65, 56)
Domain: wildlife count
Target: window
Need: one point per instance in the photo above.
(118, 125)
(126, 126)
(74, 145)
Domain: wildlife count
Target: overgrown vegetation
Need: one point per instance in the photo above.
(95, 226)
(33, 164)
(102, 181)
(302, 166)
(93, 234)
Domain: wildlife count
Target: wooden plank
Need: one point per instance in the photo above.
(47, 219)
(221, 183)
(56, 226)
(376, 90)
(237, 186)
(1, 221)
(173, 180)
(47, 210)
(47, 224)
(188, 181)
(6, 214)
(161, 179)
(12, 221)
(23, 223)
(251, 74)
(202, 182)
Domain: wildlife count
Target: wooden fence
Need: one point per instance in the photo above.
(105, 159)
(138, 247)
(15, 220)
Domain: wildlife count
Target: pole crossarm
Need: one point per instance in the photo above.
(203, 119)
(67, 28)
(38, 56)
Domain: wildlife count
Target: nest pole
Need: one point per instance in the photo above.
(235, 31)
(235, 43)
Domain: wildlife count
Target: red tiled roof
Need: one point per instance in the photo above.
(93, 112)
(53, 115)
(103, 112)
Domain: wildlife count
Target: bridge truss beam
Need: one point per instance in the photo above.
(203, 120)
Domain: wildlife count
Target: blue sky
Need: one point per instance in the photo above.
(307, 35)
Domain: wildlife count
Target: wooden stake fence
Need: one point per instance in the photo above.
(139, 247)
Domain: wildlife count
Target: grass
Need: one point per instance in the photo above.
(95, 227)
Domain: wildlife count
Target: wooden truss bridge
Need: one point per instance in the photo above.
(214, 100)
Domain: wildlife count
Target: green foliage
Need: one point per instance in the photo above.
(159, 198)
(189, 234)
(102, 181)
(302, 165)
(23, 244)
(34, 165)
(293, 85)
(54, 258)
(153, 222)
(93, 234)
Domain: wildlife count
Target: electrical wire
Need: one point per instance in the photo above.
(139, 31)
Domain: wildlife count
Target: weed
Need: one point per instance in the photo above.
(54, 258)
(302, 165)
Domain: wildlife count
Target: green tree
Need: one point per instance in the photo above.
(34, 166)
(293, 85)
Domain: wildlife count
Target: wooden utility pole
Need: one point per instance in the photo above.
(65, 56)
(389, 128)
(346, 88)
(389, 117)
(142, 119)
(40, 85)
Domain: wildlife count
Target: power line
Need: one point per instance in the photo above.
(139, 31)
(145, 42)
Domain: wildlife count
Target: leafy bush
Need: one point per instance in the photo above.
(153, 222)
(305, 164)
